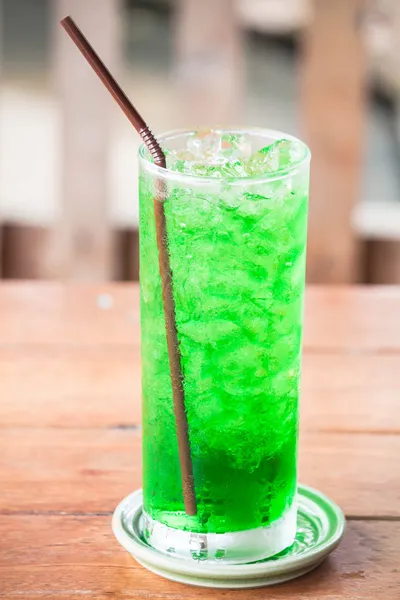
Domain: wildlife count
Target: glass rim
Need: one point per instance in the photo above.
(274, 134)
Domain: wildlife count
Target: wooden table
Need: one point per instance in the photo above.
(70, 442)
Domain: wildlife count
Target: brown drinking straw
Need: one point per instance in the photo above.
(163, 258)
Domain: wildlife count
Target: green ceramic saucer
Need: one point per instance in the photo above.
(320, 527)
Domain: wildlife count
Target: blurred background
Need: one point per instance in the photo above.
(325, 70)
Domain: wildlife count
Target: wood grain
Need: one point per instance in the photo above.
(74, 557)
(359, 471)
(90, 470)
(70, 441)
(361, 319)
(350, 392)
(56, 314)
(70, 386)
(77, 470)
(352, 319)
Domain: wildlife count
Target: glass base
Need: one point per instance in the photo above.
(236, 547)
(320, 527)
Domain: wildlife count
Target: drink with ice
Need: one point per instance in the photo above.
(236, 215)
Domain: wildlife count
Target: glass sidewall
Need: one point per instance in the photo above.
(242, 438)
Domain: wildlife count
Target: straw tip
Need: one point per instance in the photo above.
(66, 20)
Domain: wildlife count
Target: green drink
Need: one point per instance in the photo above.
(236, 217)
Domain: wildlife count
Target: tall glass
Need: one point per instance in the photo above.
(237, 248)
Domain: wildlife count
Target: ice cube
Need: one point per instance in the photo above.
(179, 160)
(275, 157)
(233, 169)
(235, 146)
(205, 145)
(218, 154)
